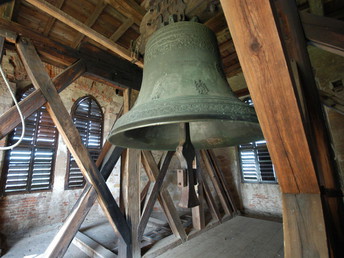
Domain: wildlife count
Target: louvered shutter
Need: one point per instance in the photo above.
(256, 164)
(29, 167)
(88, 119)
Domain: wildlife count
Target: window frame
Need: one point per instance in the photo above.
(69, 155)
(32, 147)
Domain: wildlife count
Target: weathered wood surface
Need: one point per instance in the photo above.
(71, 225)
(213, 208)
(10, 119)
(52, 20)
(198, 212)
(129, 8)
(222, 179)
(294, 37)
(154, 194)
(132, 202)
(90, 21)
(102, 66)
(324, 32)
(77, 25)
(68, 131)
(303, 226)
(262, 57)
(164, 197)
(215, 180)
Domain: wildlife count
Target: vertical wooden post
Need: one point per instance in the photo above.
(198, 219)
(271, 84)
(296, 45)
(130, 192)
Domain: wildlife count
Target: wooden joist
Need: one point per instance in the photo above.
(68, 131)
(129, 8)
(10, 119)
(51, 20)
(101, 65)
(79, 26)
(122, 29)
(89, 22)
(323, 32)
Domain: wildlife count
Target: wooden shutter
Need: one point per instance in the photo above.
(29, 167)
(88, 119)
(256, 164)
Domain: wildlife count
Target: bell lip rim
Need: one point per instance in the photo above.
(132, 126)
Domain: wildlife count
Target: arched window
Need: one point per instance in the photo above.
(88, 118)
(29, 167)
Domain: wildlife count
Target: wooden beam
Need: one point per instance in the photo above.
(154, 195)
(70, 134)
(10, 119)
(164, 198)
(77, 25)
(122, 29)
(51, 20)
(89, 22)
(131, 198)
(323, 32)
(198, 216)
(271, 84)
(102, 66)
(6, 10)
(304, 234)
(257, 43)
(310, 105)
(222, 179)
(71, 225)
(219, 190)
(128, 8)
(214, 210)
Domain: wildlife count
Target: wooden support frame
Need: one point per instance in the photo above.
(101, 65)
(268, 73)
(154, 194)
(198, 216)
(87, 31)
(90, 21)
(164, 197)
(10, 119)
(294, 30)
(217, 185)
(51, 20)
(62, 240)
(60, 115)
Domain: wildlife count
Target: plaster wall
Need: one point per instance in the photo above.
(250, 198)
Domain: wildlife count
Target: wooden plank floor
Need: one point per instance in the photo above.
(238, 237)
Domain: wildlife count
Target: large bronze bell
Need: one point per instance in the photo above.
(183, 81)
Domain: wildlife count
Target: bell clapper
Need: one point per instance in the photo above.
(186, 154)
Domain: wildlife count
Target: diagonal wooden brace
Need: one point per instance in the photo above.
(10, 119)
(164, 197)
(154, 195)
(62, 240)
(70, 134)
